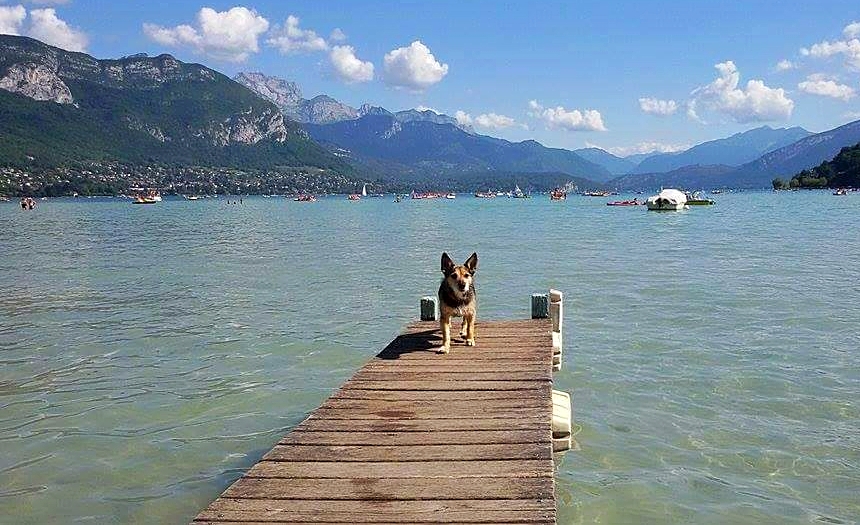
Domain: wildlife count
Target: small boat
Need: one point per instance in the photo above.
(143, 200)
(305, 198)
(451, 196)
(193, 197)
(696, 199)
(518, 193)
(354, 197)
(398, 198)
(147, 197)
(634, 202)
(557, 194)
(485, 195)
(596, 193)
(667, 200)
(363, 191)
(841, 191)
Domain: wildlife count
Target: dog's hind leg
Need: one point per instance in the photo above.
(469, 328)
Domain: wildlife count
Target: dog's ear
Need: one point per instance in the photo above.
(447, 264)
(472, 263)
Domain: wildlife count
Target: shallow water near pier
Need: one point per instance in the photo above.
(150, 354)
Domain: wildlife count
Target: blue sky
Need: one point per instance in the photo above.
(625, 76)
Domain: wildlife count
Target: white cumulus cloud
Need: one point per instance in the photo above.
(570, 120)
(653, 106)
(755, 102)
(349, 67)
(849, 47)
(47, 27)
(337, 35)
(230, 35)
(819, 84)
(852, 30)
(785, 65)
(485, 120)
(413, 67)
(290, 38)
(11, 19)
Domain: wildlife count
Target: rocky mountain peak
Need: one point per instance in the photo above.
(282, 93)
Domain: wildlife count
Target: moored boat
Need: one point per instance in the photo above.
(667, 200)
(557, 194)
(697, 199)
(518, 193)
(634, 202)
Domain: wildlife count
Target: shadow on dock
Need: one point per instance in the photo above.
(424, 341)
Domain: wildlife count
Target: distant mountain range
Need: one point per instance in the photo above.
(613, 164)
(322, 109)
(420, 150)
(738, 149)
(59, 107)
(784, 162)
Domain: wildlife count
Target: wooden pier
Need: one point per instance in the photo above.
(419, 437)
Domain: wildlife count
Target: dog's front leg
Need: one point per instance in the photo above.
(469, 328)
(445, 325)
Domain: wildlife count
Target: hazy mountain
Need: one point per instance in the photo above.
(420, 148)
(59, 107)
(787, 161)
(323, 109)
(689, 177)
(426, 115)
(287, 95)
(738, 149)
(784, 163)
(613, 164)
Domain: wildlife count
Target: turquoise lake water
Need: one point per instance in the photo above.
(150, 354)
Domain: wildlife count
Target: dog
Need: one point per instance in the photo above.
(458, 298)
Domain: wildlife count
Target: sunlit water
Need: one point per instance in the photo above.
(150, 354)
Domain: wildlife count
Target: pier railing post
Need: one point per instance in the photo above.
(540, 306)
(429, 308)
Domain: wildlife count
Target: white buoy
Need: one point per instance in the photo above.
(561, 421)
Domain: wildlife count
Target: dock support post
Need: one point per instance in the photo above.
(540, 306)
(429, 308)
(556, 313)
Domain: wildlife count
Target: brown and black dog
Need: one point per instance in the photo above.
(458, 298)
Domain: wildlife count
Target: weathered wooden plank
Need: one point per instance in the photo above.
(433, 413)
(392, 489)
(396, 511)
(451, 452)
(428, 403)
(439, 395)
(484, 364)
(405, 425)
(430, 437)
(527, 468)
(472, 522)
(439, 376)
(430, 386)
